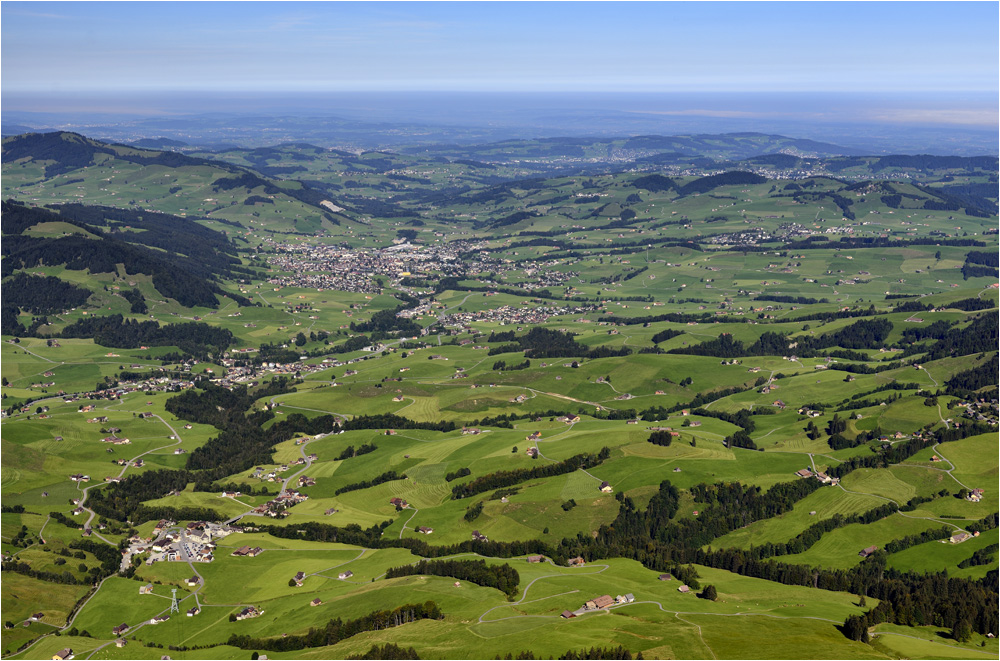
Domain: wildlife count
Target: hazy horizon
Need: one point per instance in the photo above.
(931, 108)
(898, 76)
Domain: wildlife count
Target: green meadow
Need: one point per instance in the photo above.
(494, 238)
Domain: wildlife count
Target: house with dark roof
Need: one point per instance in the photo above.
(248, 613)
(864, 553)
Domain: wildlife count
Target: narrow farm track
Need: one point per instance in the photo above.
(566, 397)
(305, 467)
(676, 613)
(121, 473)
(42, 357)
(937, 449)
(524, 595)
(941, 417)
(322, 572)
(69, 622)
(406, 526)
(552, 438)
(701, 635)
(903, 514)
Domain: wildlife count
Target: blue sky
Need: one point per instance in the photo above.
(484, 46)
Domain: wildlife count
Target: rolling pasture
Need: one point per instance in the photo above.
(708, 332)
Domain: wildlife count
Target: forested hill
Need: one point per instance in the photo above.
(65, 151)
(184, 260)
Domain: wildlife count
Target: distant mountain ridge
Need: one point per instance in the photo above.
(76, 159)
(159, 143)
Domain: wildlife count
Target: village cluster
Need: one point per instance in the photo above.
(323, 267)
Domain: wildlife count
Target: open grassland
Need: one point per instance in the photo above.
(23, 597)
(817, 506)
(930, 643)
(839, 548)
(496, 625)
(609, 248)
(945, 556)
